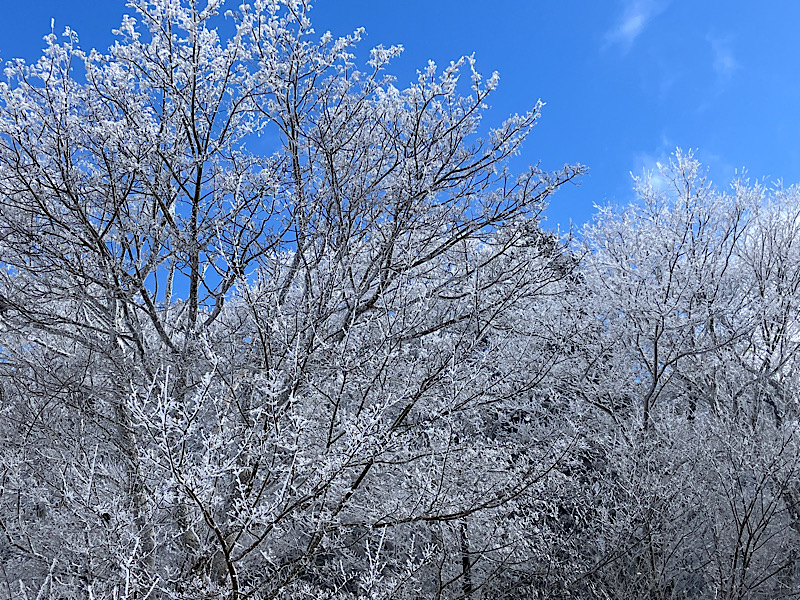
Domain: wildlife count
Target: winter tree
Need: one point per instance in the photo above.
(261, 313)
(687, 360)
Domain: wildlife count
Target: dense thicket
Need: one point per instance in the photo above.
(275, 328)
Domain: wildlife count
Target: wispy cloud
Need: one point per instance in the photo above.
(647, 165)
(635, 18)
(724, 63)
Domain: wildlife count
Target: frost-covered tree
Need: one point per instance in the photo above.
(687, 358)
(272, 326)
(665, 283)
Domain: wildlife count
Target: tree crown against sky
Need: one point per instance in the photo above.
(239, 123)
(624, 83)
(274, 353)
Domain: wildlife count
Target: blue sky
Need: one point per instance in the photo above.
(624, 81)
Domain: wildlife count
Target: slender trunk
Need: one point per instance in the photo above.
(194, 256)
(130, 448)
(138, 491)
(466, 565)
(787, 578)
(300, 210)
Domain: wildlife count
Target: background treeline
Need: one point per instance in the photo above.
(273, 327)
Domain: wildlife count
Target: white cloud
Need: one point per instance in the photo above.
(635, 17)
(715, 166)
(724, 63)
(647, 165)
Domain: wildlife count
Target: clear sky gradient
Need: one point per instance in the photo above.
(624, 81)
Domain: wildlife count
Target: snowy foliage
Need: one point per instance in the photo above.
(261, 318)
(275, 327)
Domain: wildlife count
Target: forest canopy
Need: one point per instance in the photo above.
(274, 327)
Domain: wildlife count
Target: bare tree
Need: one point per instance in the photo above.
(232, 368)
(687, 359)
